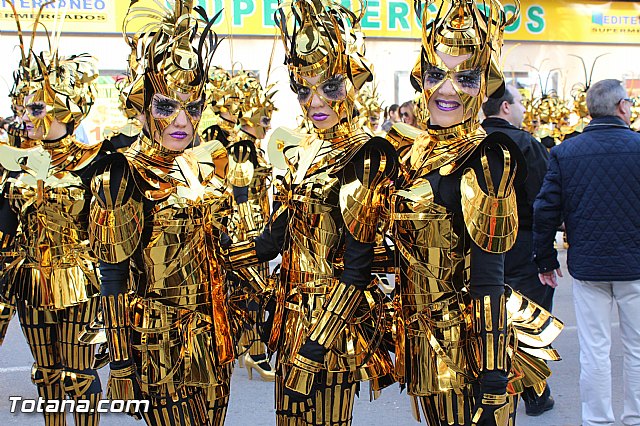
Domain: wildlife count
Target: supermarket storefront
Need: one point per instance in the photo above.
(545, 36)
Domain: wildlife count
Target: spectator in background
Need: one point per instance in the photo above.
(407, 114)
(505, 114)
(4, 126)
(593, 183)
(391, 116)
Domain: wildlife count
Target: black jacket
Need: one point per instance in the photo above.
(536, 159)
(593, 184)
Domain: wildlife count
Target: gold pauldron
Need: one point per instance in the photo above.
(491, 218)
(115, 310)
(339, 308)
(115, 229)
(492, 333)
(302, 374)
(242, 255)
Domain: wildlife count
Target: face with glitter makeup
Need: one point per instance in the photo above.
(179, 133)
(317, 96)
(445, 104)
(34, 112)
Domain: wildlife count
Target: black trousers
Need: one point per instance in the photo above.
(521, 272)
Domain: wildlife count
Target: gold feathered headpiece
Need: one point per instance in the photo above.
(170, 55)
(64, 84)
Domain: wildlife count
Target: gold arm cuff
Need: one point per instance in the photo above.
(116, 322)
(246, 219)
(491, 329)
(243, 255)
(360, 211)
(491, 399)
(402, 134)
(240, 173)
(338, 310)
(492, 222)
(300, 380)
(114, 234)
(120, 388)
(254, 278)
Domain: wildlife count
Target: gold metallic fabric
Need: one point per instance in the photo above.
(339, 308)
(55, 267)
(115, 311)
(115, 226)
(491, 217)
(361, 203)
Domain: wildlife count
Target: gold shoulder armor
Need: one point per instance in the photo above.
(491, 218)
(241, 167)
(402, 134)
(213, 159)
(362, 202)
(283, 146)
(115, 227)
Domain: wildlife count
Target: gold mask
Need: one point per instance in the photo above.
(323, 38)
(64, 84)
(165, 61)
(460, 28)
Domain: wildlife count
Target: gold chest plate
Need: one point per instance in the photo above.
(53, 244)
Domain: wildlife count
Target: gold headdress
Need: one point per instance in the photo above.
(369, 104)
(64, 84)
(461, 28)
(163, 59)
(323, 38)
(256, 103)
(579, 94)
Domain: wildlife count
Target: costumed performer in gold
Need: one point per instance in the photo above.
(329, 318)
(53, 276)
(370, 108)
(156, 224)
(249, 173)
(465, 344)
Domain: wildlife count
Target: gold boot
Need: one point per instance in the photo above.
(266, 371)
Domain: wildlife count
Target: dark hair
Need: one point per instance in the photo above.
(492, 105)
(394, 107)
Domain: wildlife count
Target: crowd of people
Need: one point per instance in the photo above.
(149, 252)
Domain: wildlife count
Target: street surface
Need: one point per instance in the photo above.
(252, 400)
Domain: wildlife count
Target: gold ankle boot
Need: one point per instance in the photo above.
(264, 369)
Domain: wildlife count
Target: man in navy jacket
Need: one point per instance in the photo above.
(593, 184)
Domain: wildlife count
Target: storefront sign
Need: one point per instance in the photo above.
(543, 20)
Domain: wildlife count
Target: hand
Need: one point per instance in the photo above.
(491, 410)
(301, 382)
(124, 384)
(549, 278)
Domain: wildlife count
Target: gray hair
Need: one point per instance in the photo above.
(604, 96)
